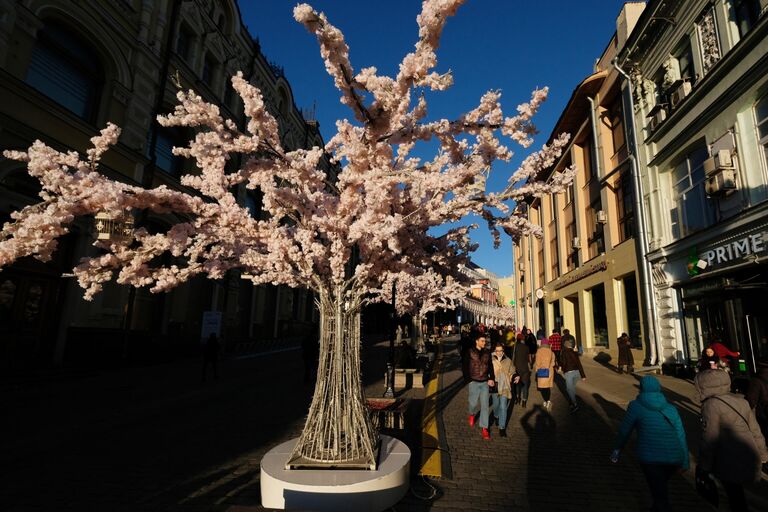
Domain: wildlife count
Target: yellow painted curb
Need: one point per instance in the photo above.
(431, 456)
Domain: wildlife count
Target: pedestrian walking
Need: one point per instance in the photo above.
(544, 370)
(732, 448)
(521, 359)
(757, 395)
(626, 359)
(481, 379)
(532, 342)
(211, 356)
(555, 343)
(570, 363)
(501, 393)
(724, 353)
(661, 445)
(568, 336)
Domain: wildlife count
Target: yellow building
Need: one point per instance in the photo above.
(582, 275)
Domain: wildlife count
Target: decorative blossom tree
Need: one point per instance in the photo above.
(382, 206)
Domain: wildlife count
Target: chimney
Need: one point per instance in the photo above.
(626, 21)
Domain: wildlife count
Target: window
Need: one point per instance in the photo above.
(569, 195)
(573, 252)
(540, 258)
(209, 69)
(184, 44)
(761, 115)
(66, 69)
(554, 258)
(589, 169)
(617, 128)
(595, 230)
(229, 92)
(252, 204)
(684, 57)
(692, 210)
(167, 138)
(625, 207)
(746, 13)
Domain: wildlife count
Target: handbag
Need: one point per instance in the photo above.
(706, 486)
(543, 373)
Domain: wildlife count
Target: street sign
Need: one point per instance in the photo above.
(211, 324)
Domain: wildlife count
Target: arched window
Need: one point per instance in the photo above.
(66, 69)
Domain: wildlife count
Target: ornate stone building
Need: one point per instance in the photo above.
(698, 73)
(67, 67)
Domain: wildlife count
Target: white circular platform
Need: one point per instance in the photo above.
(336, 489)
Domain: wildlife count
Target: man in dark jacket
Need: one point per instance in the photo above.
(481, 379)
(521, 359)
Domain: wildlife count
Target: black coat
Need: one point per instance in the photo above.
(522, 361)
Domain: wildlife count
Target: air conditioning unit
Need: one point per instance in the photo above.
(576, 243)
(601, 216)
(657, 116)
(721, 160)
(680, 92)
(721, 183)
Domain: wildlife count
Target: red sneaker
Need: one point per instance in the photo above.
(471, 420)
(486, 434)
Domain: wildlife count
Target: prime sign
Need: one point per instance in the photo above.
(752, 244)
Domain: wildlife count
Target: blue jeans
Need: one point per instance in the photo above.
(479, 391)
(571, 378)
(521, 390)
(499, 405)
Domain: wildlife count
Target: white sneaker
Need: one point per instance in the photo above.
(548, 405)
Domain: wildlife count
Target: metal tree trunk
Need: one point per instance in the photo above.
(337, 433)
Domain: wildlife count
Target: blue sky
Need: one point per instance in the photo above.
(508, 45)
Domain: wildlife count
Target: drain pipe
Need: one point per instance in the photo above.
(596, 152)
(656, 354)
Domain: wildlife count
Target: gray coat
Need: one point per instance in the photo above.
(731, 447)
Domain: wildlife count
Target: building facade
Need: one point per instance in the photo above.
(66, 69)
(698, 77)
(583, 273)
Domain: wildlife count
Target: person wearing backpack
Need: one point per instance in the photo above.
(661, 444)
(732, 448)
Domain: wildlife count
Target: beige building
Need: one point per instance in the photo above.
(698, 76)
(583, 273)
(66, 69)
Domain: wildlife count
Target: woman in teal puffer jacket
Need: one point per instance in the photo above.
(661, 445)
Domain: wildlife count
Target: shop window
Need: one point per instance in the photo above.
(599, 316)
(625, 206)
(692, 210)
(66, 69)
(761, 118)
(745, 14)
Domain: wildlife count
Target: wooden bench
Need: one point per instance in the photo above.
(387, 413)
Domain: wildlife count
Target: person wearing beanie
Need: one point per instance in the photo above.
(661, 444)
(544, 370)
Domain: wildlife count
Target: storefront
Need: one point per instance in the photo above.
(724, 296)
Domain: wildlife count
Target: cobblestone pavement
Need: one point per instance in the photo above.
(557, 461)
(157, 439)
